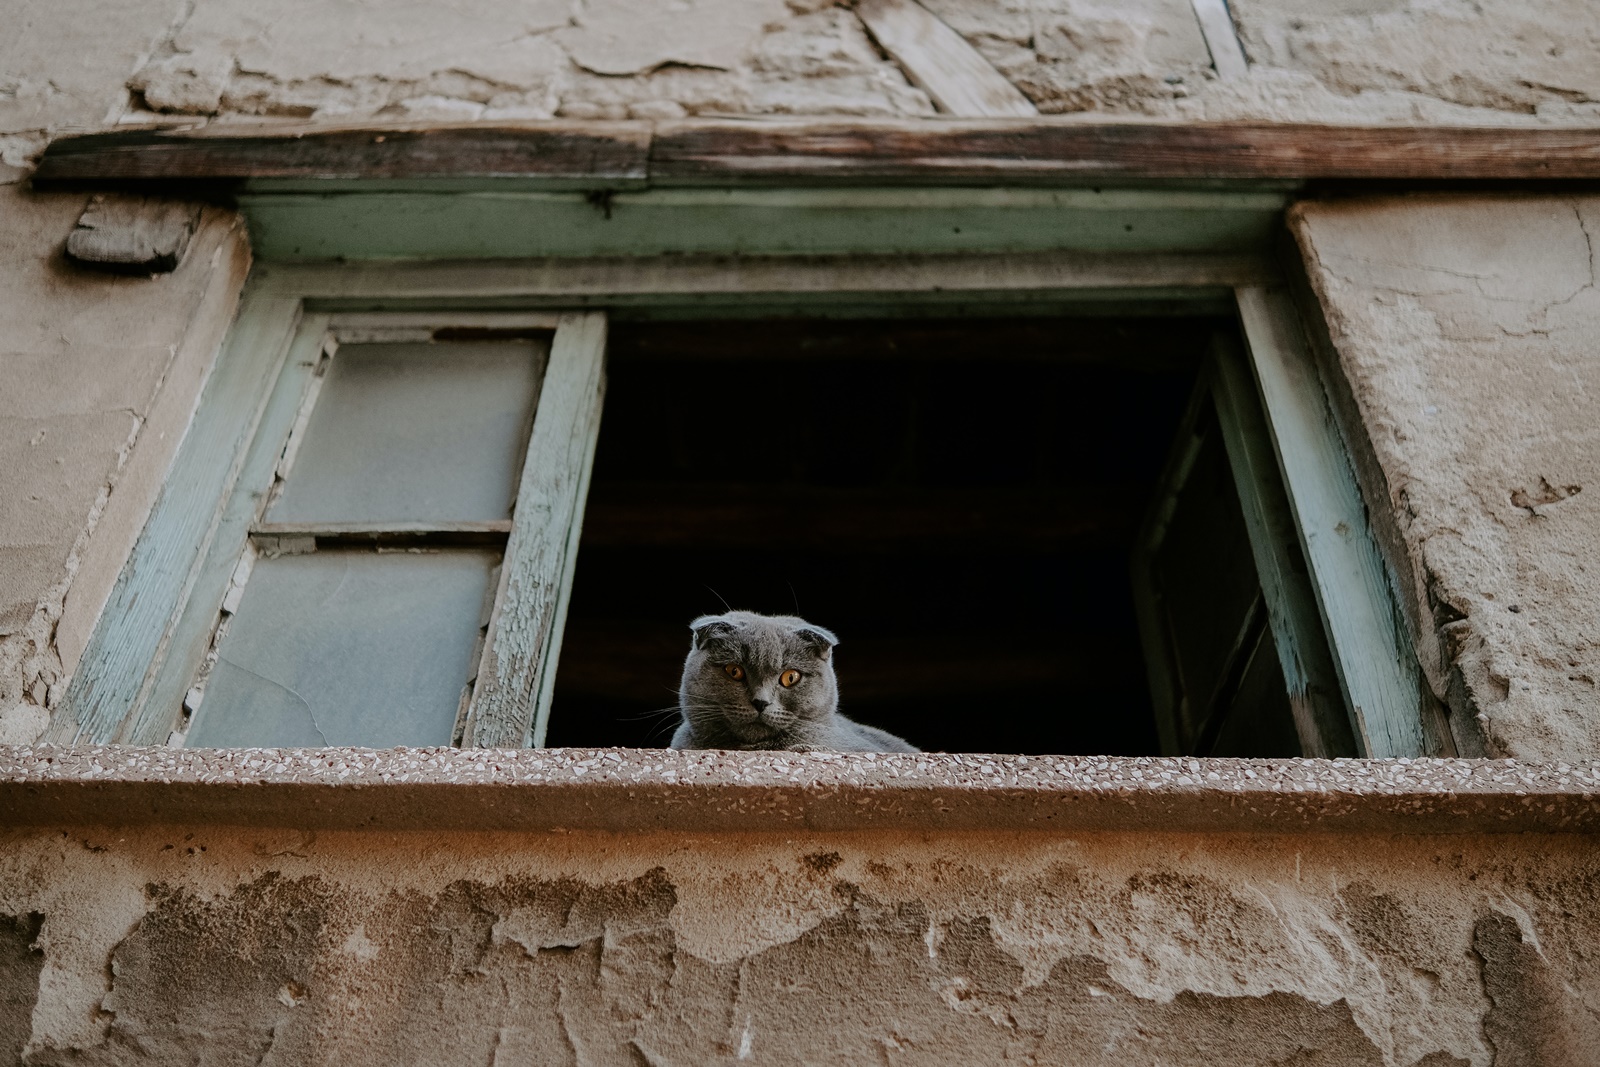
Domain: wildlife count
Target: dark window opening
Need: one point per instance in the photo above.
(958, 499)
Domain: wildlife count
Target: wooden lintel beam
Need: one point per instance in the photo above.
(616, 155)
(1002, 150)
(607, 153)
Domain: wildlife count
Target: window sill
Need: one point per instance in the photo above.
(655, 789)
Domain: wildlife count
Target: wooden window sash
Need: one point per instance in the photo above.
(109, 697)
(113, 699)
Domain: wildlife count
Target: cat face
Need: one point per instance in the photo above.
(752, 679)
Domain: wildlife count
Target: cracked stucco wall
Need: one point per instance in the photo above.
(1440, 61)
(1465, 333)
(1385, 61)
(1443, 61)
(163, 944)
(292, 60)
(97, 374)
(596, 59)
(100, 376)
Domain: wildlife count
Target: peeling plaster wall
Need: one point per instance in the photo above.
(1464, 337)
(98, 374)
(92, 366)
(1465, 332)
(163, 945)
(1387, 61)
(1440, 61)
(1477, 60)
(1349, 61)
(598, 59)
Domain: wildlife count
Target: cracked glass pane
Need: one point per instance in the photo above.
(416, 432)
(347, 647)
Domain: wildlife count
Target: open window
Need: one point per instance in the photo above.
(960, 499)
(391, 561)
(1038, 529)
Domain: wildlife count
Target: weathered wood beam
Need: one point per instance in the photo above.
(1222, 40)
(702, 152)
(939, 60)
(996, 150)
(611, 153)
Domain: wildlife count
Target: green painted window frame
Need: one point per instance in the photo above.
(166, 583)
(155, 633)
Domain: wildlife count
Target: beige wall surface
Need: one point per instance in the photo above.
(1464, 338)
(86, 360)
(1310, 60)
(1467, 331)
(188, 944)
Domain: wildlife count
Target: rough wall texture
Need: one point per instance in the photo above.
(1349, 61)
(598, 59)
(162, 946)
(1310, 60)
(93, 365)
(1465, 334)
(1537, 59)
(1465, 330)
(97, 374)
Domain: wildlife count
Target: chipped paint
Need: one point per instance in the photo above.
(582, 948)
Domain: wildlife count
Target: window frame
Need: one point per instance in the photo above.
(515, 669)
(1391, 709)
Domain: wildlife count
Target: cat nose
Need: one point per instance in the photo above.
(759, 704)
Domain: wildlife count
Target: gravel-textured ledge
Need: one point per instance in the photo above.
(653, 789)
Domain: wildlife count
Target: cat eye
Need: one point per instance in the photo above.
(734, 671)
(788, 678)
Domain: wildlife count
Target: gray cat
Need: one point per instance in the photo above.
(766, 682)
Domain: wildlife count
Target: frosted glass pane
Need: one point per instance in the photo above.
(419, 432)
(347, 648)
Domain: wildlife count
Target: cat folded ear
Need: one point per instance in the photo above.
(708, 628)
(817, 639)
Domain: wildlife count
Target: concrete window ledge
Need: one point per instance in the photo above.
(654, 789)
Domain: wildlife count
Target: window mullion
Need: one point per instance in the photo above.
(1321, 720)
(1372, 651)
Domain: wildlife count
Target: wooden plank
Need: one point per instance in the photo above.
(353, 327)
(614, 153)
(969, 151)
(1222, 39)
(130, 234)
(520, 652)
(717, 152)
(688, 280)
(1378, 671)
(1321, 719)
(412, 225)
(377, 529)
(157, 579)
(940, 61)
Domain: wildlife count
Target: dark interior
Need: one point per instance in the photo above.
(955, 498)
